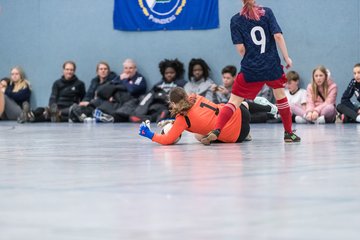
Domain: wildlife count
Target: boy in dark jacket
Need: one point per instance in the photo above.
(349, 112)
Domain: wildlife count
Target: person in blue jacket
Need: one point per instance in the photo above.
(122, 95)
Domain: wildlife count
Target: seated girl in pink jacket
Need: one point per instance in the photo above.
(321, 97)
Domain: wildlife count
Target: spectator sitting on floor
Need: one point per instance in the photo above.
(122, 95)
(199, 80)
(296, 97)
(15, 96)
(154, 106)
(65, 92)
(87, 106)
(221, 93)
(348, 110)
(321, 97)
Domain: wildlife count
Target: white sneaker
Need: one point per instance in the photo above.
(320, 120)
(248, 138)
(357, 118)
(263, 101)
(102, 117)
(300, 120)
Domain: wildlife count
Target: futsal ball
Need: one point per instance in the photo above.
(166, 129)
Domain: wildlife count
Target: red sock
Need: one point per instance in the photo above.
(224, 116)
(285, 113)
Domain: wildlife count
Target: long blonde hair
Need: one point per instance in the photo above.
(325, 84)
(180, 102)
(22, 83)
(251, 10)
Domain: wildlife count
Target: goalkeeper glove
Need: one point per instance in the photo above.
(145, 131)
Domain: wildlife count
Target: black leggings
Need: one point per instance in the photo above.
(245, 123)
(259, 113)
(348, 112)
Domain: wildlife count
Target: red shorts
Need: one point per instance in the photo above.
(249, 90)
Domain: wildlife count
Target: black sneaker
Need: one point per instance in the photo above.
(23, 118)
(76, 114)
(54, 113)
(210, 137)
(291, 137)
(46, 113)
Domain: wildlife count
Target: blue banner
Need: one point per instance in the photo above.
(151, 15)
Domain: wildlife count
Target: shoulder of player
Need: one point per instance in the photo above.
(200, 99)
(180, 121)
(267, 10)
(235, 18)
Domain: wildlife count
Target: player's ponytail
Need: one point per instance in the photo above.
(251, 10)
(180, 102)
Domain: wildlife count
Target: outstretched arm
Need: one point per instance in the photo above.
(280, 41)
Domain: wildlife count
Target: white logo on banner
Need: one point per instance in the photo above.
(162, 11)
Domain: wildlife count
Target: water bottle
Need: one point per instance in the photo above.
(89, 120)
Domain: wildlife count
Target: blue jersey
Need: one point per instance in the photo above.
(261, 61)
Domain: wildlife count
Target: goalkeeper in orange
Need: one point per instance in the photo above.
(198, 115)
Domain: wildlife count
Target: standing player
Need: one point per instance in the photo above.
(255, 33)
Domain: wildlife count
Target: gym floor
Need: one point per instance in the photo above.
(103, 181)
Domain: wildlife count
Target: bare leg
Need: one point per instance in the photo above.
(198, 136)
(279, 93)
(246, 105)
(236, 100)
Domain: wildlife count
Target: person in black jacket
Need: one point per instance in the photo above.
(154, 106)
(103, 75)
(4, 83)
(65, 92)
(91, 101)
(348, 111)
(16, 94)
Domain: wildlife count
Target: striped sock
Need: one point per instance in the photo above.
(224, 116)
(285, 113)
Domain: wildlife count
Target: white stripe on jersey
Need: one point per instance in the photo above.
(138, 80)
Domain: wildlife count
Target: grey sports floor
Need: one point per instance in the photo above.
(103, 181)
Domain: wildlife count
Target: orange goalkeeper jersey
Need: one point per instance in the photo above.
(201, 119)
